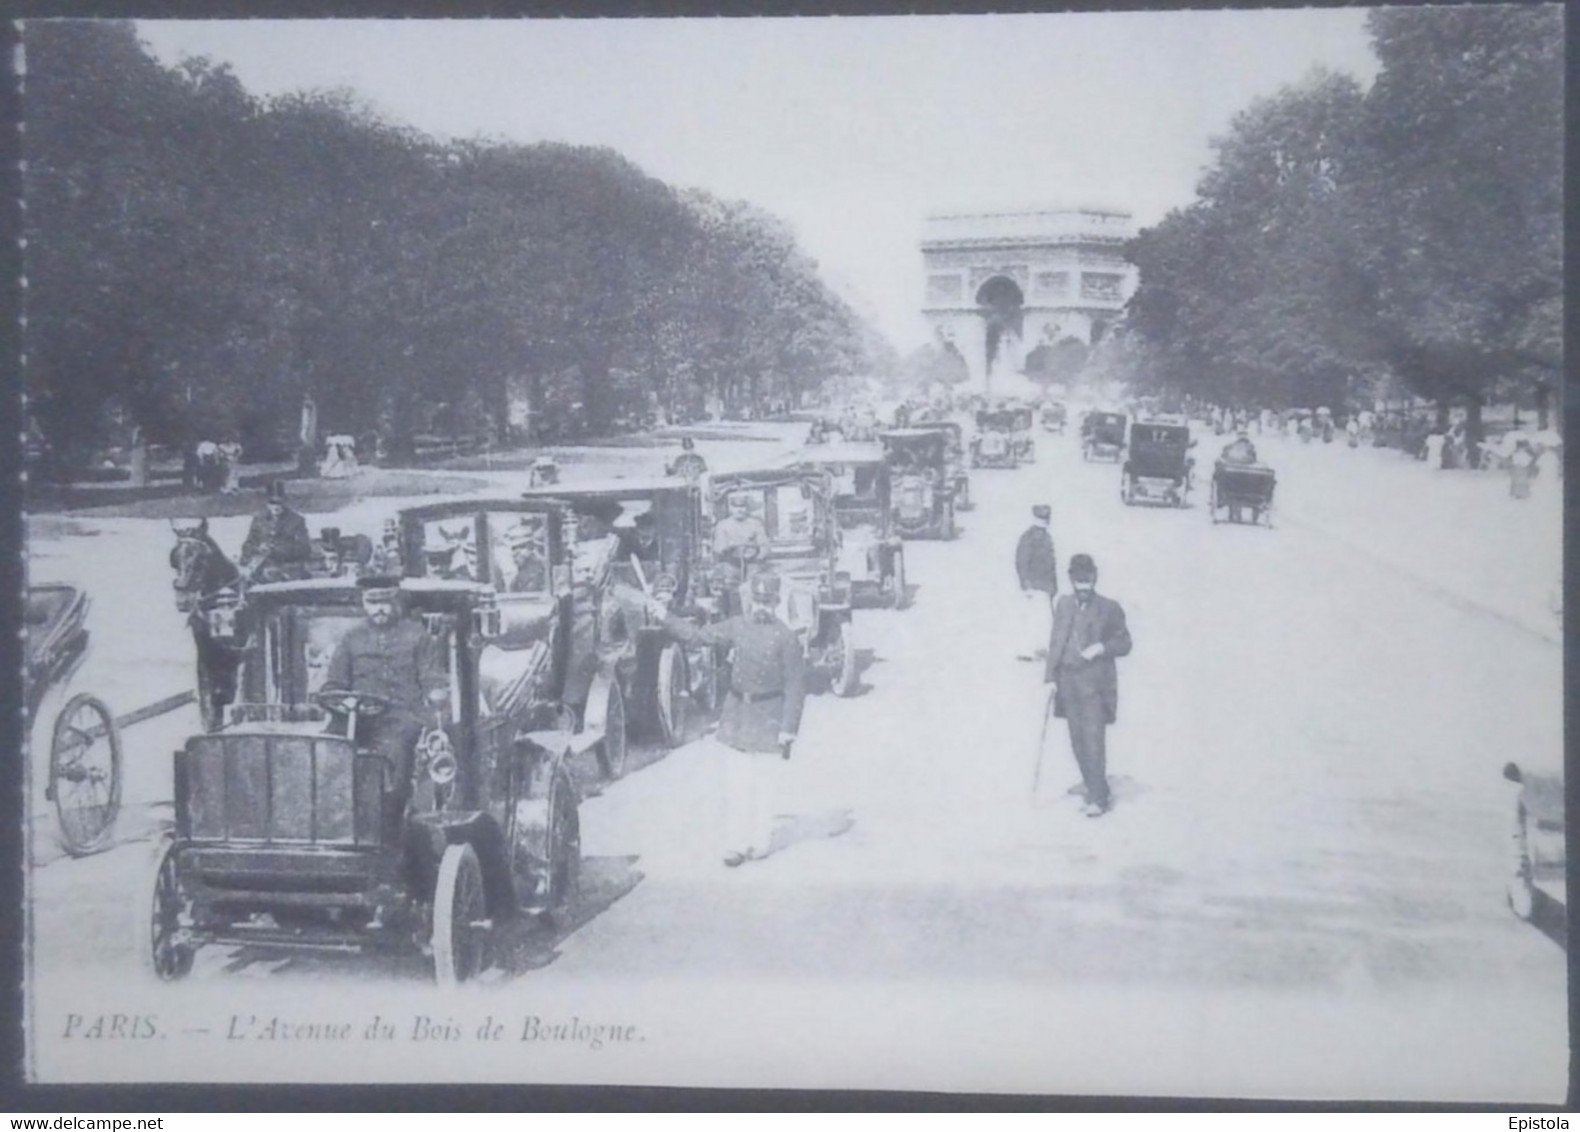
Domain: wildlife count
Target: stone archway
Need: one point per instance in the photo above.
(1002, 305)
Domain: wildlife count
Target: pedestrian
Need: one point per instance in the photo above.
(1352, 432)
(278, 547)
(230, 455)
(1522, 469)
(761, 714)
(1434, 447)
(1038, 570)
(1089, 634)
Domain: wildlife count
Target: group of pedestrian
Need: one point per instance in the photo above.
(1078, 637)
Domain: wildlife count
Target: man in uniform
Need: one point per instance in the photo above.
(689, 465)
(740, 536)
(278, 547)
(394, 658)
(1038, 571)
(762, 711)
(532, 569)
(1089, 634)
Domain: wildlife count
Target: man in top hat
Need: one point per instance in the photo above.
(762, 711)
(1089, 634)
(1038, 571)
(278, 547)
(689, 464)
(392, 657)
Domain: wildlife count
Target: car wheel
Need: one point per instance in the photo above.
(844, 650)
(460, 917)
(565, 849)
(902, 597)
(612, 748)
(1522, 889)
(670, 695)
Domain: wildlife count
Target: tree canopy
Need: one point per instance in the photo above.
(200, 259)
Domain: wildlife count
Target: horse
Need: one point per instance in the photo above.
(206, 581)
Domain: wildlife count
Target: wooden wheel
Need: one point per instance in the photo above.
(460, 917)
(846, 679)
(159, 935)
(564, 848)
(670, 684)
(902, 596)
(85, 774)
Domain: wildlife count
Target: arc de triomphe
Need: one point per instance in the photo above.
(999, 284)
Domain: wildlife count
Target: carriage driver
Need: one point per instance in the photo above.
(395, 658)
(278, 547)
(1239, 451)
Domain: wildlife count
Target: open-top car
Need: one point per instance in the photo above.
(1103, 436)
(656, 528)
(870, 550)
(1003, 438)
(300, 824)
(1158, 466)
(921, 493)
(795, 506)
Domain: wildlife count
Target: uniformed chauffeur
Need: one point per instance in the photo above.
(393, 657)
(761, 715)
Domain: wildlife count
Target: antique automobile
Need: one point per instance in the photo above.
(549, 585)
(1054, 417)
(84, 781)
(295, 829)
(1539, 856)
(1022, 436)
(655, 524)
(795, 506)
(1241, 489)
(955, 473)
(1001, 439)
(1158, 467)
(921, 496)
(1103, 436)
(870, 550)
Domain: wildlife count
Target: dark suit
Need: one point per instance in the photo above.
(1034, 560)
(1086, 692)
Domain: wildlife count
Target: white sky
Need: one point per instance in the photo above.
(852, 129)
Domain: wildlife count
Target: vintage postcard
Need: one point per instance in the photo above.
(1005, 554)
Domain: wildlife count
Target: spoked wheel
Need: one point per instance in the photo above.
(1212, 501)
(902, 596)
(670, 695)
(159, 935)
(949, 521)
(1127, 493)
(85, 774)
(611, 751)
(564, 849)
(460, 917)
(844, 649)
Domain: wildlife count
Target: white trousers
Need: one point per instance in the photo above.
(751, 798)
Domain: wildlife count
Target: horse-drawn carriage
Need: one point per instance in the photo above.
(1240, 489)
(1054, 417)
(921, 495)
(1103, 436)
(795, 506)
(870, 549)
(1158, 468)
(296, 829)
(84, 782)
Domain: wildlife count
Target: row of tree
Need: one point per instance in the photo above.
(1346, 243)
(200, 260)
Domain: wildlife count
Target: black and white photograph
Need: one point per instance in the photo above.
(960, 554)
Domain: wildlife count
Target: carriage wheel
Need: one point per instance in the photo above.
(902, 597)
(460, 917)
(158, 936)
(670, 694)
(611, 751)
(1212, 501)
(950, 530)
(846, 679)
(85, 774)
(565, 849)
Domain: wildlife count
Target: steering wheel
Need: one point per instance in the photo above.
(363, 704)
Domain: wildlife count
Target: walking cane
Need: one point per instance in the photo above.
(1042, 740)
